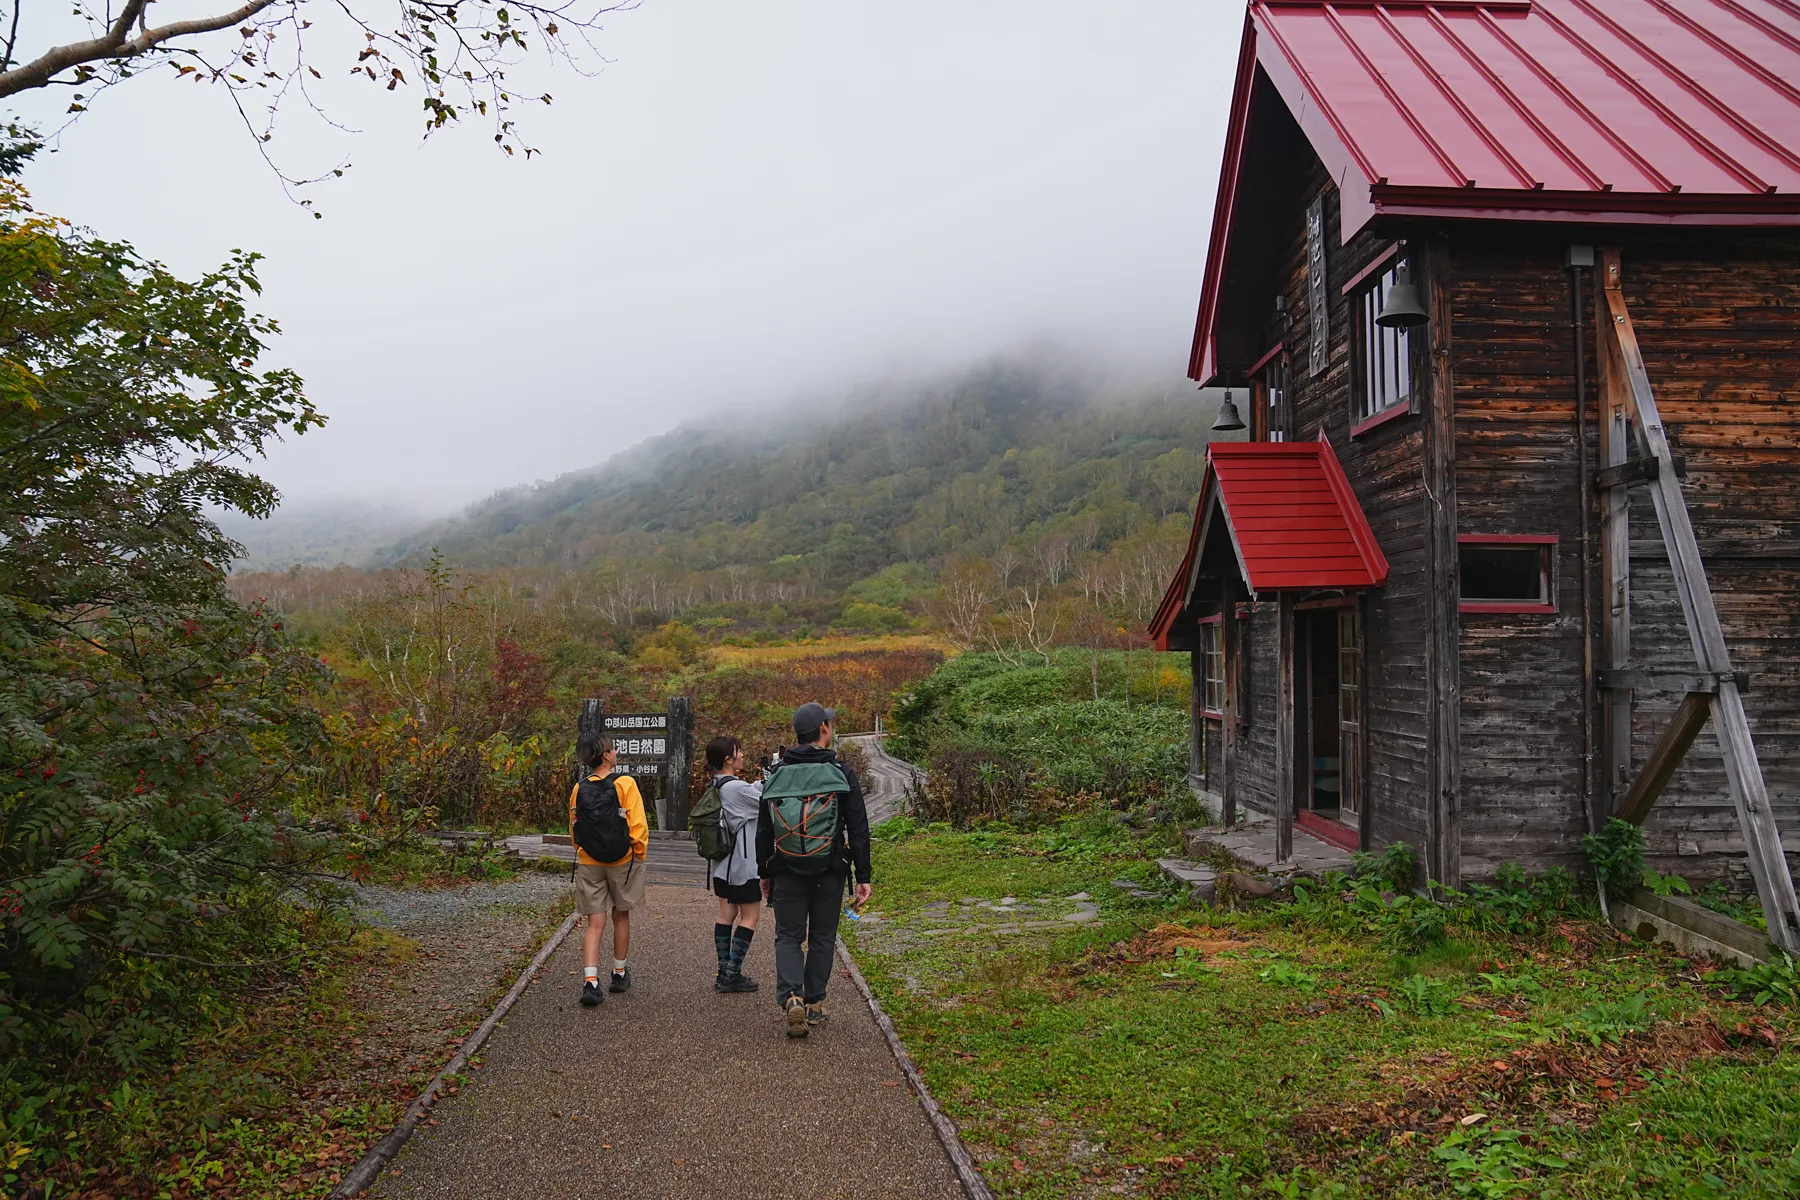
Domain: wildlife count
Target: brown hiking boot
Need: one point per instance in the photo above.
(796, 1017)
(815, 1014)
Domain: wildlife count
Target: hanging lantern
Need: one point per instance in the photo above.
(1402, 310)
(1228, 416)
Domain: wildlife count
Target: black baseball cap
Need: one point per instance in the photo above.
(809, 716)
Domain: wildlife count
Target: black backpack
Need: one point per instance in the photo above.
(600, 827)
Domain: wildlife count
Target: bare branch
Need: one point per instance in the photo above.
(12, 39)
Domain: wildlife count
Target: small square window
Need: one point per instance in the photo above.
(1384, 356)
(1506, 574)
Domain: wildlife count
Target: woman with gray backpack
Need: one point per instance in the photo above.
(724, 822)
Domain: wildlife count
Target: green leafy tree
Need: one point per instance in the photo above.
(146, 719)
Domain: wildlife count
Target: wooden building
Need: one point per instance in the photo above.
(1521, 555)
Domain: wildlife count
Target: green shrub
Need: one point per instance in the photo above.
(873, 618)
(1777, 980)
(1492, 1165)
(1426, 997)
(1617, 855)
(1392, 866)
(1515, 902)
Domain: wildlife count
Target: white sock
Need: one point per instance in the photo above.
(618, 966)
(593, 974)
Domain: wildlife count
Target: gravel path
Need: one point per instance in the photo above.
(413, 910)
(672, 1090)
(462, 948)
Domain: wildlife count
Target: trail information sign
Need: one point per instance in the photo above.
(651, 746)
(642, 740)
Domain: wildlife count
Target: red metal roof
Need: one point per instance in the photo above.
(1294, 523)
(1644, 111)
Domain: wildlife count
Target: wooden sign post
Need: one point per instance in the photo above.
(657, 745)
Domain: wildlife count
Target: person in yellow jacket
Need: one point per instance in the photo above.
(615, 885)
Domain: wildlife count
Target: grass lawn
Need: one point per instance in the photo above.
(1164, 1050)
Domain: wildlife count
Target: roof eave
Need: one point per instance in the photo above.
(1201, 359)
(1588, 207)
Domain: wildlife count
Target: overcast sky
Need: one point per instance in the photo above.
(748, 202)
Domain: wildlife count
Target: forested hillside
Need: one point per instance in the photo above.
(962, 466)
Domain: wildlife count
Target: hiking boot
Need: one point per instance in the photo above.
(796, 1017)
(621, 980)
(722, 981)
(739, 982)
(815, 1014)
(591, 993)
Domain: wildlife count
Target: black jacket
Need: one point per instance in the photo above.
(852, 845)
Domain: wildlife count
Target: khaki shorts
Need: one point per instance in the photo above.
(620, 888)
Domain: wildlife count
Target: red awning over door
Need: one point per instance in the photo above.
(1293, 522)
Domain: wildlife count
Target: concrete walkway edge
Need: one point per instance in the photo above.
(369, 1168)
(973, 1185)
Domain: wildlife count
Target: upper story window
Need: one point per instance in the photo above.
(1268, 396)
(1384, 356)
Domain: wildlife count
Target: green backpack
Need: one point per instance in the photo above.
(803, 806)
(712, 837)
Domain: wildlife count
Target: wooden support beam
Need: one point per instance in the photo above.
(1615, 568)
(1671, 748)
(1284, 726)
(1669, 681)
(1230, 646)
(1635, 471)
(1443, 625)
(1197, 707)
(1743, 774)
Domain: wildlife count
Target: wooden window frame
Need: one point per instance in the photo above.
(1262, 420)
(1546, 543)
(1212, 649)
(1365, 292)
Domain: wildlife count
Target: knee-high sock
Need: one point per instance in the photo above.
(740, 946)
(722, 943)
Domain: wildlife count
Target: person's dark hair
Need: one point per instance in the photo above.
(590, 750)
(720, 749)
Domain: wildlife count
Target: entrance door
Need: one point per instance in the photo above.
(1349, 717)
(1329, 734)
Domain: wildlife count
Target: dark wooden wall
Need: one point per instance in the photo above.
(1718, 316)
(1516, 467)
(1384, 468)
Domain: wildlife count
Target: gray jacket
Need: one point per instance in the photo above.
(741, 802)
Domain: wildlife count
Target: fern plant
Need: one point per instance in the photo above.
(1617, 855)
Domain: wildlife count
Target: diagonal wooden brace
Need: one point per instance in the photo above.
(1671, 748)
(1743, 774)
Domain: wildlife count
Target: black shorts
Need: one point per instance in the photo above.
(738, 893)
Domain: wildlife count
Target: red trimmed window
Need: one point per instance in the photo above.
(1507, 573)
(1384, 376)
(1212, 661)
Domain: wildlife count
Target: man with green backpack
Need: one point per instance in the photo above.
(812, 838)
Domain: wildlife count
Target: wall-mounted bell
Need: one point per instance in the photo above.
(1402, 310)
(1228, 416)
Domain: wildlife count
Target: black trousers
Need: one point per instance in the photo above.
(807, 908)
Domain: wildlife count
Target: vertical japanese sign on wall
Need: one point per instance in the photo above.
(1316, 304)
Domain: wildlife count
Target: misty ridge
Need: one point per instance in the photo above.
(899, 470)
